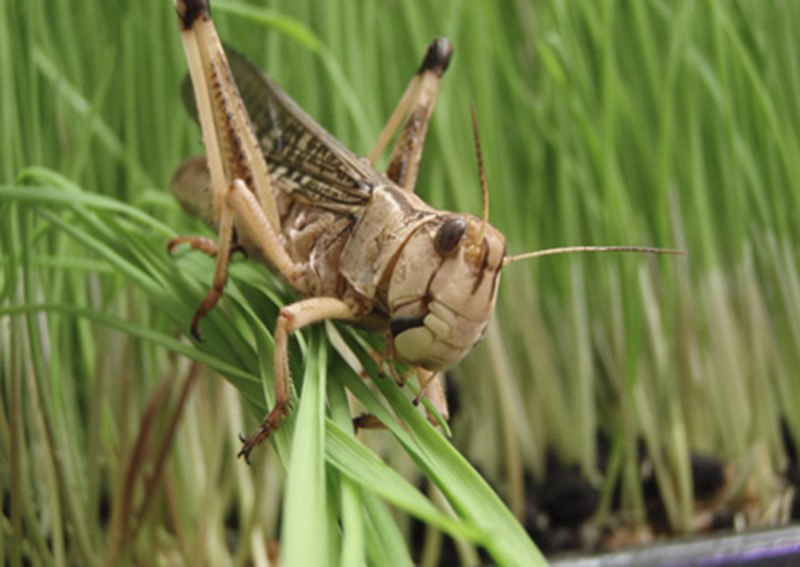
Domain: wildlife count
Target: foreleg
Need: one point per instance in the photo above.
(291, 318)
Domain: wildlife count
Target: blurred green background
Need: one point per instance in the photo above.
(671, 124)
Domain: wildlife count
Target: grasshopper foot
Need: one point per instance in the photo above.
(207, 246)
(269, 425)
(367, 421)
(248, 444)
(251, 442)
(194, 329)
(210, 301)
(201, 243)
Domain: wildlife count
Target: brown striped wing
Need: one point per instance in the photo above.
(304, 160)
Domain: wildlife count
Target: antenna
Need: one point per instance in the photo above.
(570, 249)
(484, 185)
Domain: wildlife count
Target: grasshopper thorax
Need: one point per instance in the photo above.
(443, 289)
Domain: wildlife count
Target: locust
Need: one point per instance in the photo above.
(357, 244)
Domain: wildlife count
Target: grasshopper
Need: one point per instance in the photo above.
(358, 245)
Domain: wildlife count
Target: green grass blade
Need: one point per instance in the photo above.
(305, 506)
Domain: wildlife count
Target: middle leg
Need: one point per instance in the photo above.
(291, 318)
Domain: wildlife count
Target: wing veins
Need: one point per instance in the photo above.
(304, 159)
(307, 161)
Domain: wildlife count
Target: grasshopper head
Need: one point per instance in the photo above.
(443, 290)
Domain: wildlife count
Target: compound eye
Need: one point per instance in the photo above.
(449, 235)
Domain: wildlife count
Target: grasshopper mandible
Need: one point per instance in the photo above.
(359, 245)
